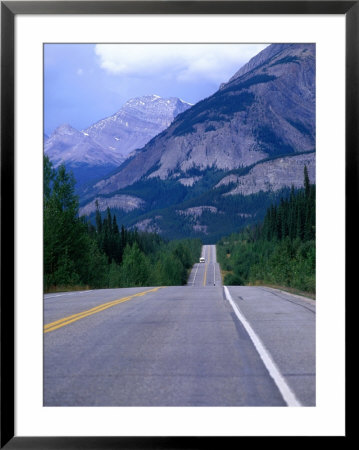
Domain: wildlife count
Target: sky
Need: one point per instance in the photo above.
(84, 83)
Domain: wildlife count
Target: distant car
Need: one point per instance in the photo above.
(202, 260)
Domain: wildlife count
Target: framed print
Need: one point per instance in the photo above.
(162, 262)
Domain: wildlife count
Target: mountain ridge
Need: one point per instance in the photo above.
(267, 108)
(223, 161)
(99, 149)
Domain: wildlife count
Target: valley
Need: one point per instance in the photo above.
(138, 206)
(203, 170)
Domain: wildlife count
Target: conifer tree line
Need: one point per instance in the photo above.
(279, 251)
(293, 217)
(79, 254)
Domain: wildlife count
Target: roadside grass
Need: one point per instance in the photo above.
(66, 288)
(224, 273)
(291, 290)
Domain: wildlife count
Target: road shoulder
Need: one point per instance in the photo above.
(285, 324)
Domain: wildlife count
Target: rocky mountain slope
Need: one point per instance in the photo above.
(139, 120)
(224, 160)
(70, 146)
(272, 175)
(266, 109)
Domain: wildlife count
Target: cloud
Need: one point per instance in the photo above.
(79, 72)
(181, 62)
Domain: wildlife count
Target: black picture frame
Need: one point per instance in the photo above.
(9, 9)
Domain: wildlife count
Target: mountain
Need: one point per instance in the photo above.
(267, 111)
(262, 57)
(239, 148)
(70, 146)
(102, 147)
(271, 175)
(139, 120)
(77, 150)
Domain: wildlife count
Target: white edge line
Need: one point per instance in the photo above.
(214, 264)
(194, 278)
(273, 370)
(53, 296)
(67, 293)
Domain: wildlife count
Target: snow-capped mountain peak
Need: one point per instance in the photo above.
(137, 122)
(64, 129)
(109, 141)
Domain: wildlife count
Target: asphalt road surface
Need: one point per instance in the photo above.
(207, 273)
(195, 345)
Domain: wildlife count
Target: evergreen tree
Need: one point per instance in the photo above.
(49, 175)
(98, 219)
(77, 252)
(306, 182)
(281, 251)
(64, 234)
(123, 237)
(115, 226)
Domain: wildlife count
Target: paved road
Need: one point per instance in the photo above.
(207, 273)
(285, 324)
(177, 346)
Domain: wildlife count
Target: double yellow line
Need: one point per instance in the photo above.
(81, 315)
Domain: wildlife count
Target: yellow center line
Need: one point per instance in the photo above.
(205, 271)
(74, 317)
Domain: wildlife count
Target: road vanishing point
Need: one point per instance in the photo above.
(202, 344)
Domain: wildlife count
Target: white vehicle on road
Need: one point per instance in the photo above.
(202, 260)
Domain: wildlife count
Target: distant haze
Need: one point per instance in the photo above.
(86, 82)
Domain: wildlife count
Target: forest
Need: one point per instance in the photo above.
(279, 251)
(163, 199)
(79, 254)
